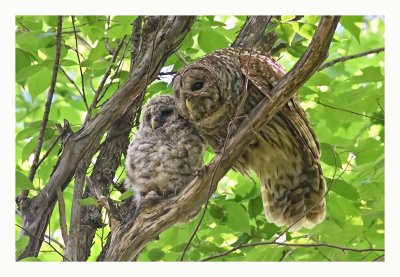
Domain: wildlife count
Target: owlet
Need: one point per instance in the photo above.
(165, 152)
(224, 86)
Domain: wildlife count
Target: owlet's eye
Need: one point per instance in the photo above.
(166, 113)
(197, 86)
(148, 117)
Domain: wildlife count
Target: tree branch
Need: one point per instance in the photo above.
(150, 221)
(322, 244)
(79, 63)
(252, 32)
(350, 57)
(349, 111)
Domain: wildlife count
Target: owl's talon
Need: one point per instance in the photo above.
(151, 195)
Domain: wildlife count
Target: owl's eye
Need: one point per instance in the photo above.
(166, 113)
(197, 86)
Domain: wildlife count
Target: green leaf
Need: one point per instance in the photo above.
(329, 155)
(39, 82)
(255, 206)
(22, 182)
(89, 201)
(286, 32)
(26, 133)
(319, 79)
(156, 254)
(98, 52)
(21, 244)
(216, 211)
(210, 40)
(66, 62)
(26, 72)
(370, 74)
(237, 217)
(344, 189)
(22, 59)
(86, 63)
(286, 18)
(101, 65)
(343, 212)
(28, 42)
(28, 149)
(307, 31)
(126, 195)
(349, 23)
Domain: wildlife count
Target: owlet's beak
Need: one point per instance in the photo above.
(189, 105)
(154, 123)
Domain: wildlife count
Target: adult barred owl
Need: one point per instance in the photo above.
(228, 84)
(165, 152)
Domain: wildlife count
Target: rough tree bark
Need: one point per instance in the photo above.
(128, 238)
(162, 36)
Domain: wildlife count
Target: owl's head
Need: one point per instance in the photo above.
(206, 90)
(159, 111)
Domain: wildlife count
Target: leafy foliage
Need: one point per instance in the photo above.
(345, 103)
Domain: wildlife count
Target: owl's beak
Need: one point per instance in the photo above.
(154, 123)
(189, 105)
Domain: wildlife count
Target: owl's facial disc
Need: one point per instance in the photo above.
(197, 92)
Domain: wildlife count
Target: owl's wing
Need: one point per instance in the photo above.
(263, 72)
(287, 191)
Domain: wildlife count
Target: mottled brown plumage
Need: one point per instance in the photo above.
(228, 84)
(165, 152)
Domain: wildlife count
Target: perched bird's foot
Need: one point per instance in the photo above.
(150, 198)
(151, 195)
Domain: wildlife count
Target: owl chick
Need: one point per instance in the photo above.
(165, 152)
(224, 86)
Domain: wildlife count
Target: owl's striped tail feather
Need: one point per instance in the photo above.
(295, 203)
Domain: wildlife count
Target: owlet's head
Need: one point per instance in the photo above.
(159, 112)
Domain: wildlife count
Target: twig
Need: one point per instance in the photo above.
(107, 42)
(45, 119)
(63, 220)
(47, 153)
(349, 111)
(350, 57)
(180, 56)
(114, 75)
(322, 244)
(103, 81)
(71, 81)
(41, 239)
(379, 104)
(55, 241)
(79, 61)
